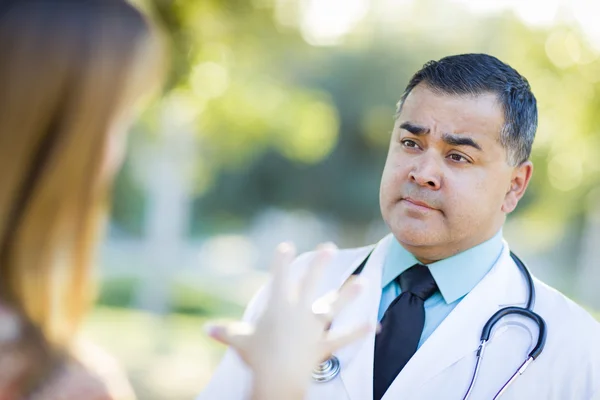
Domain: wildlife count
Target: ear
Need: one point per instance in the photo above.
(518, 184)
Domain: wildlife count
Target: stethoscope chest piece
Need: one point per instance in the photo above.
(327, 370)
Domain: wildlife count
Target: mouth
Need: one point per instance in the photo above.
(417, 204)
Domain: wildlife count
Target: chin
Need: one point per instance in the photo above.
(414, 238)
(416, 233)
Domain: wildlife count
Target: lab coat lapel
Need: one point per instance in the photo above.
(356, 360)
(459, 334)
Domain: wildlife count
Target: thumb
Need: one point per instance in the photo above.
(234, 334)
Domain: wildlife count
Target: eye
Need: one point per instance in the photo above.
(458, 158)
(411, 144)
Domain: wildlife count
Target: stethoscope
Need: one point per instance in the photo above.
(330, 368)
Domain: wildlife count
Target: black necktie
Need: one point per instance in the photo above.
(401, 327)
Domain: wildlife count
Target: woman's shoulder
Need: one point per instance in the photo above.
(103, 365)
(86, 373)
(73, 381)
(91, 374)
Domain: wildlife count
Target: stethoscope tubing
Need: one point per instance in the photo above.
(330, 368)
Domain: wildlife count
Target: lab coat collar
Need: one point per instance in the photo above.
(455, 275)
(456, 337)
(459, 334)
(356, 360)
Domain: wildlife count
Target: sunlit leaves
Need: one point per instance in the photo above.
(253, 88)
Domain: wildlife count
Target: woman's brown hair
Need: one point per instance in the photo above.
(70, 73)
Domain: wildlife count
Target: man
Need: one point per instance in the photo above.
(457, 165)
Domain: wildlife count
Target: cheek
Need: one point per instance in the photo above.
(474, 198)
(114, 155)
(395, 171)
(391, 182)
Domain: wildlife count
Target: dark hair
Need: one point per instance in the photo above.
(474, 74)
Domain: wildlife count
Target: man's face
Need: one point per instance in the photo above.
(447, 185)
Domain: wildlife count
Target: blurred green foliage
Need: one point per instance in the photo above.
(129, 206)
(281, 122)
(120, 292)
(117, 292)
(189, 300)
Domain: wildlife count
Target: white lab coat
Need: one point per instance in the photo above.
(568, 368)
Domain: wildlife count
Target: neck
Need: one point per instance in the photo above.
(428, 254)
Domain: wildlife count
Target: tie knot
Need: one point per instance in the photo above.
(418, 281)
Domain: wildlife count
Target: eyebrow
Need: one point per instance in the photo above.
(449, 138)
(414, 129)
(455, 140)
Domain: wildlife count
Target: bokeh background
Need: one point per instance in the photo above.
(274, 126)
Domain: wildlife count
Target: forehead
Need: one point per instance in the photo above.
(446, 113)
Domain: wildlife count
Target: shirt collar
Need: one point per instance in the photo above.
(455, 276)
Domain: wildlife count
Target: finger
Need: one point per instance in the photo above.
(327, 307)
(322, 310)
(308, 284)
(347, 294)
(337, 341)
(234, 334)
(284, 255)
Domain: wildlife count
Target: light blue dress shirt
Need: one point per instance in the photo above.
(455, 276)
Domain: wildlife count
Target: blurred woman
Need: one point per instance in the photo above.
(70, 76)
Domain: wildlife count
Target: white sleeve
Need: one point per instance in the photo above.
(231, 380)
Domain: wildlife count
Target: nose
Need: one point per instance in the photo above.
(426, 172)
